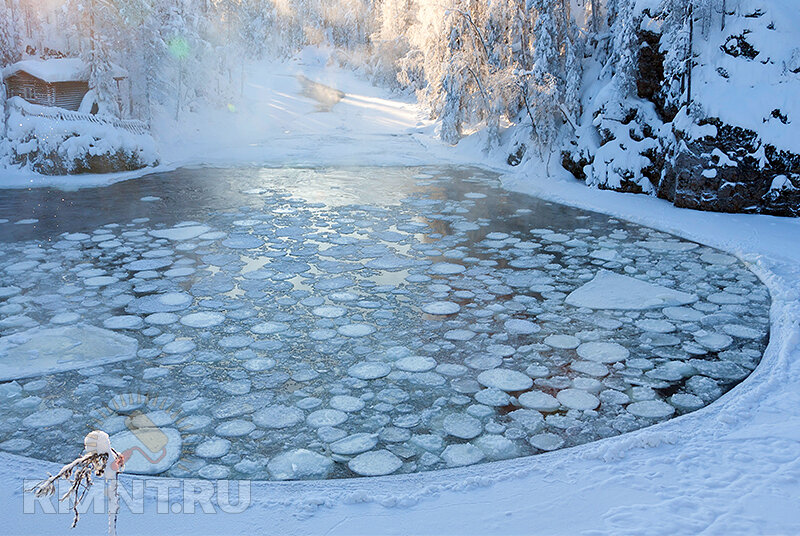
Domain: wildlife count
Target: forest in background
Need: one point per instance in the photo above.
(472, 64)
(690, 100)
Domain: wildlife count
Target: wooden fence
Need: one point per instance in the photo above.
(32, 110)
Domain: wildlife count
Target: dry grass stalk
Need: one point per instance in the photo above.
(80, 473)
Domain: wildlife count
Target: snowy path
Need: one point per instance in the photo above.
(730, 468)
(276, 121)
(294, 127)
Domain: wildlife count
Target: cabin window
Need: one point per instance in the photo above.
(28, 93)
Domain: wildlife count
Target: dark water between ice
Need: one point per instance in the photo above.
(322, 323)
(200, 193)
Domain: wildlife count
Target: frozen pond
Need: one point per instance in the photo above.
(327, 323)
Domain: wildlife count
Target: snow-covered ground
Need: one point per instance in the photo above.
(730, 468)
(280, 118)
(734, 98)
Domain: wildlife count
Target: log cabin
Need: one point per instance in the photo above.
(59, 82)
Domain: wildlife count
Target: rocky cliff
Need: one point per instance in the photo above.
(732, 144)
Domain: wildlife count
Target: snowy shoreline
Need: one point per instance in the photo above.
(728, 468)
(597, 484)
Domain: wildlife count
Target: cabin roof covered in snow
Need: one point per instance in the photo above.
(58, 70)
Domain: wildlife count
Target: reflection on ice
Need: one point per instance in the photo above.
(286, 324)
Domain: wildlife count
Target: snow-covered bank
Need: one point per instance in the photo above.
(729, 468)
(278, 120)
(706, 119)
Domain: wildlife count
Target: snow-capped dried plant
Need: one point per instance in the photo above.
(80, 474)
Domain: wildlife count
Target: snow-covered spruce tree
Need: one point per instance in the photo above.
(290, 35)
(453, 80)
(437, 38)
(467, 66)
(9, 35)
(222, 33)
(620, 59)
(94, 26)
(540, 89)
(345, 24)
(186, 58)
(518, 59)
(485, 81)
(675, 47)
(611, 10)
(506, 38)
(257, 21)
(593, 15)
(420, 67)
(703, 12)
(391, 47)
(553, 71)
(178, 40)
(519, 33)
(9, 53)
(621, 141)
(625, 48)
(571, 60)
(515, 21)
(28, 26)
(147, 47)
(143, 51)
